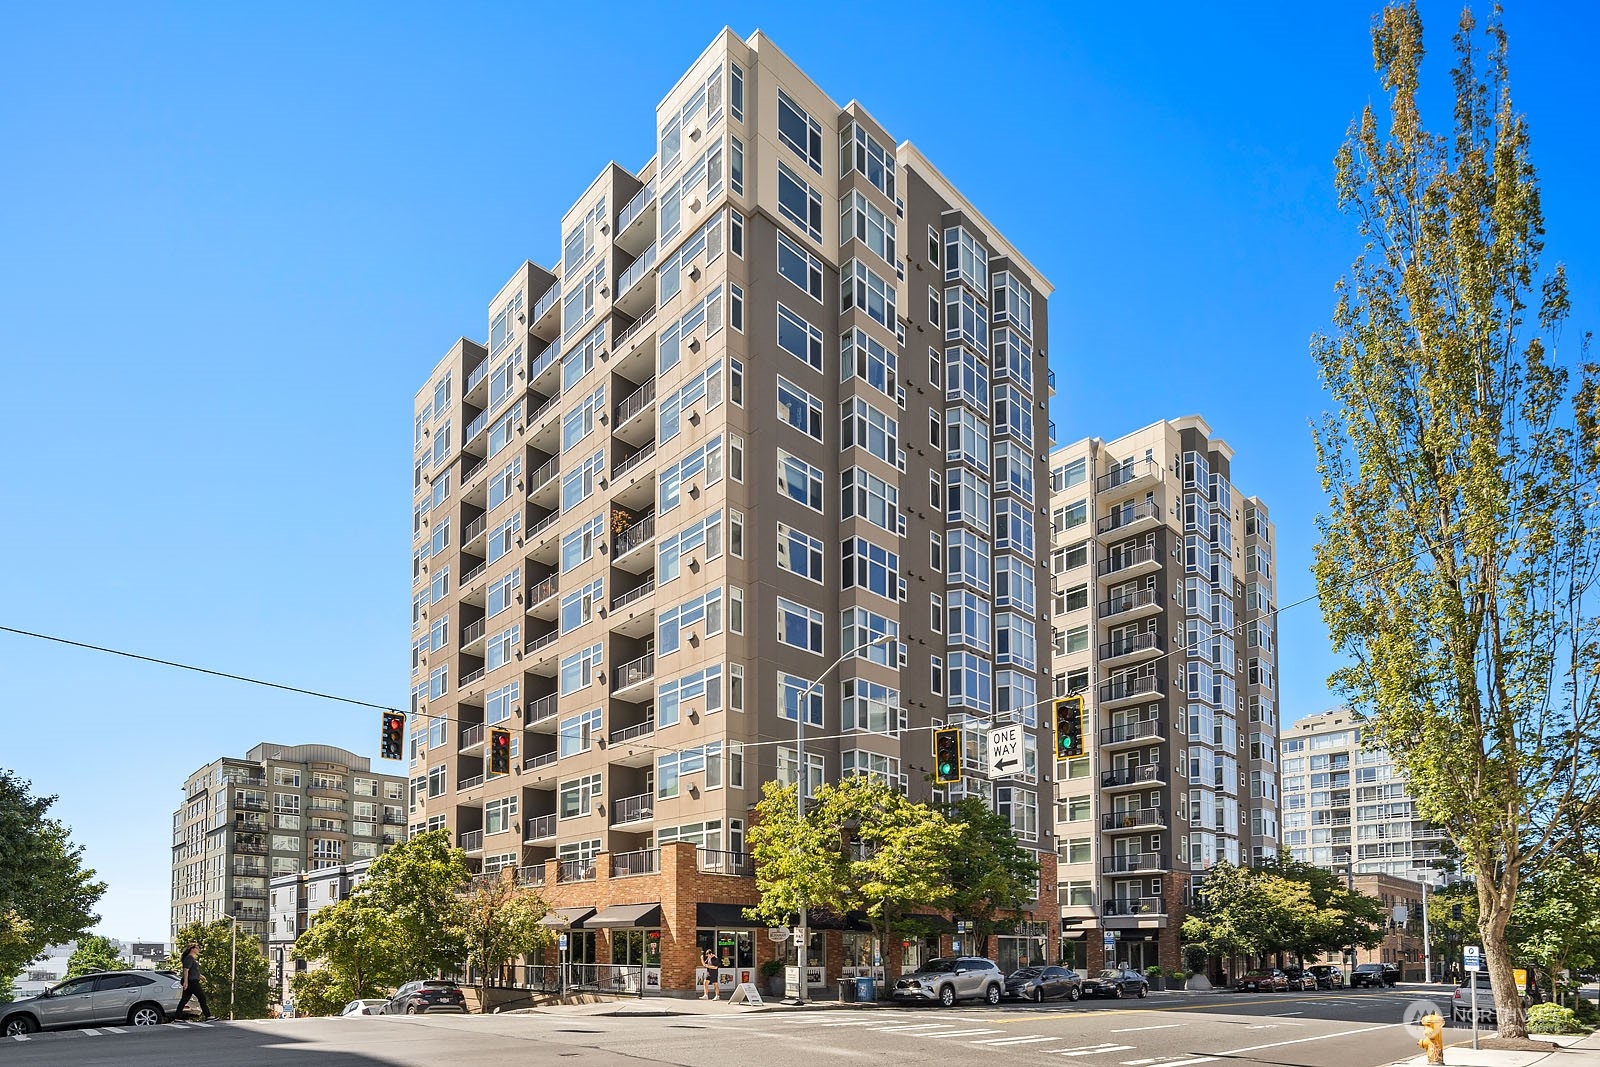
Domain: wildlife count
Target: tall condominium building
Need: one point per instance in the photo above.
(1344, 802)
(783, 398)
(1163, 619)
(279, 810)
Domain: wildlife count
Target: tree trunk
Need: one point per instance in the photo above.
(1494, 914)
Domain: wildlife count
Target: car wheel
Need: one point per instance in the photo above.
(947, 996)
(1143, 989)
(1074, 993)
(1038, 995)
(411, 1009)
(1116, 991)
(992, 995)
(145, 1015)
(17, 1026)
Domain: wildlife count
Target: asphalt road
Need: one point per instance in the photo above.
(1327, 1029)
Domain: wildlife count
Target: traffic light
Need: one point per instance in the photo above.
(393, 744)
(1069, 727)
(947, 755)
(499, 750)
(1456, 913)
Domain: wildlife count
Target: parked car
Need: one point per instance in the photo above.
(425, 997)
(1461, 1001)
(1328, 976)
(1116, 982)
(1043, 983)
(1268, 980)
(952, 978)
(137, 998)
(1376, 975)
(364, 1007)
(1299, 978)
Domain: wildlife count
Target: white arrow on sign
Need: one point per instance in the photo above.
(1005, 750)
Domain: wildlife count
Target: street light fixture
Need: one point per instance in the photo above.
(801, 934)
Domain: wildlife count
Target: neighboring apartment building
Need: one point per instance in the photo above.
(44, 972)
(279, 810)
(784, 396)
(1162, 614)
(294, 901)
(1344, 802)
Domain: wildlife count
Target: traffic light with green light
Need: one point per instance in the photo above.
(1069, 727)
(947, 755)
(499, 750)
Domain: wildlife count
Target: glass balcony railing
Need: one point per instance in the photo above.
(636, 271)
(641, 200)
(539, 828)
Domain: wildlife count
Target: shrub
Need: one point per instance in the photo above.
(1178, 974)
(771, 968)
(1553, 1019)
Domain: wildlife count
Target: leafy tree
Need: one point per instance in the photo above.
(798, 861)
(7, 992)
(1344, 915)
(1286, 907)
(1556, 923)
(251, 994)
(318, 991)
(1458, 555)
(47, 896)
(991, 873)
(352, 941)
(501, 922)
(417, 886)
(94, 953)
(1448, 933)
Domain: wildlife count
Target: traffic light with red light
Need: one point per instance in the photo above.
(499, 750)
(947, 755)
(393, 742)
(1069, 727)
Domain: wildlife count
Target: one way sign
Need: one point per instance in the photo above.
(1005, 750)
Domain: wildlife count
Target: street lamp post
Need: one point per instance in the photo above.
(233, 959)
(801, 934)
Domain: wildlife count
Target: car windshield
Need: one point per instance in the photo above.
(940, 966)
(1110, 974)
(439, 985)
(1025, 972)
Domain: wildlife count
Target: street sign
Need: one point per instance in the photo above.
(1111, 939)
(1005, 750)
(563, 944)
(1471, 958)
(778, 933)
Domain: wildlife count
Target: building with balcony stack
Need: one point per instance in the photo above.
(784, 396)
(280, 810)
(1162, 618)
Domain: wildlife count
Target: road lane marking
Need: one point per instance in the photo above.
(21, 1037)
(1286, 1014)
(1098, 1051)
(1131, 1029)
(853, 1022)
(198, 1023)
(1302, 1040)
(1188, 1063)
(917, 1026)
(1013, 1040)
(962, 1033)
(89, 1031)
(113, 1029)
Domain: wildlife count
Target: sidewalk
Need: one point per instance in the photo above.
(1576, 1051)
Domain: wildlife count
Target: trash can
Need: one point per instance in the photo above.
(847, 990)
(866, 989)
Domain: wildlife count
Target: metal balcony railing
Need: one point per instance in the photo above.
(470, 840)
(634, 536)
(640, 457)
(638, 592)
(471, 676)
(575, 871)
(543, 590)
(539, 828)
(531, 875)
(1134, 906)
(636, 271)
(479, 423)
(1124, 560)
(1137, 861)
(641, 200)
(471, 632)
(541, 363)
(1126, 646)
(628, 864)
(1133, 776)
(1125, 473)
(712, 861)
(470, 783)
(1139, 598)
(540, 710)
(633, 809)
(471, 735)
(544, 640)
(1128, 516)
(1123, 688)
(1131, 731)
(536, 531)
(474, 527)
(633, 672)
(1130, 818)
(641, 324)
(547, 301)
(635, 402)
(476, 375)
(544, 759)
(637, 730)
(545, 474)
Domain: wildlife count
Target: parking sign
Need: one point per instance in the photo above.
(1471, 959)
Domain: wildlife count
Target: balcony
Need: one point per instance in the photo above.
(631, 733)
(474, 675)
(248, 892)
(473, 530)
(630, 297)
(1130, 476)
(470, 840)
(633, 538)
(393, 819)
(542, 600)
(540, 650)
(540, 710)
(543, 481)
(639, 808)
(581, 870)
(627, 422)
(471, 737)
(1134, 863)
(531, 875)
(1125, 607)
(1125, 689)
(1146, 775)
(539, 828)
(629, 864)
(250, 914)
(1130, 649)
(543, 533)
(1127, 521)
(637, 593)
(1133, 819)
(1129, 564)
(539, 763)
(633, 673)
(1120, 733)
(476, 377)
(249, 847)
(475, 429)
(250, 803)
(469, 783)
(548, 302)
(471, 634)
(633, 226)
(710, 861)
(635, 333)
(249, 870)
(1124, 906)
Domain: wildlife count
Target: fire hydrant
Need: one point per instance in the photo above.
(1432, 1041)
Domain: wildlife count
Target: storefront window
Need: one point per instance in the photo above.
(914, 952)
(636, 947)
(861, 954)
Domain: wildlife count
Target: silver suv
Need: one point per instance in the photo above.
(137, 998)
(953, 978)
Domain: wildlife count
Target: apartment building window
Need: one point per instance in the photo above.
(498, 815)
(579, 359)
(799, 203)
(816, 769)
(1077, 894)
(439, 632)
(862, 219)
(497, 703)
(704, 536)
(966, 320)
(862, 287)
(965, 259)
(1016, 643)
(867, 496)
(577, 733)
(441, 537)
(966, 438)
(441, 489)
(577, 670)
(1013, 527)
(1013, 303)
(799, 409)
(800, 553)
(798, 130)
(860, 628)
(969, 560)
(971, 682)
(1069, 475)
(800, 481)
(503, 377)
(936, 551)
(800, 339)
(970, 620)
(702, 685)
(1016, 693)
(503, 537)
(500, 647)
(1065, 518)
(864, 426)
(579, 422)
(439, 682)
(705, 460)
(707, 312)
(579, 243)
(703, 612)
(578, 486)
(436, 782)
(872, 765)
(865, 357)
(736, 170)
(441, 444)
(1012, 414)
(502, 484)
(798, 265)
(871, 567)
(1014, 584)
(577, 608)
(799, 626)
(967, 498)
(1021, 808)
(578, 797)
(705, 247)
(577, 547)
(936, 674)
(870, 707)
(860, 151)
(1013, 470)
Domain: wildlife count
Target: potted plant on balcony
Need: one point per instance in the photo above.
(1156, 977)
(772, 975)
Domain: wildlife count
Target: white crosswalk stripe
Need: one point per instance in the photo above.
(916, 1026)
(1014, 1040)
(113, 1029)
(89, 1031)
(1099, 1051)
(963, 1033)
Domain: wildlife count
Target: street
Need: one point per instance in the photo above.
(1327, 1029)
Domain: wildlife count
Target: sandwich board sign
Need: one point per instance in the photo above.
(1005, 750)
(746, 993)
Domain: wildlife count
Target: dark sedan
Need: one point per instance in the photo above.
(423, 998)
(1264, 981)
(1116, 982)
(1327, 975)
(1043, 983)
(1299, 978)
(1374, 975)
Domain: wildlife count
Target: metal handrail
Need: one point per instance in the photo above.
(637, 730)
(1127, 472)
(540, 710)
(547, 301)
(1127, 645)
(636, 401)
(471, 632)
(474, 527)
(539, 827)
(627, 864)
(636, 270)
(1124, 560)
(1139, 598)
(1131, 731)
(638, 592)
(544, 640)
(543, 590)
(1129, 818)
(575, 871)
(470, 840)
(1137, 861)
(633, 672)
(1121, 517)
(471, 735)
(627, 335)
(633, 809)
(634, 536)
(1129, 687)
(545, 474)
(633, 461)
(641, 200)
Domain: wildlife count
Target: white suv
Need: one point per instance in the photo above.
(953, 978)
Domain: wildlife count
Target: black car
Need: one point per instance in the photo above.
(1116, 982)
(427, 997)
(1374, 975)
(1327, 975)
(1300, 978)
(1043, 983)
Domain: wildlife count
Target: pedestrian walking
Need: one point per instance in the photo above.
(709, 962)
(191, 984)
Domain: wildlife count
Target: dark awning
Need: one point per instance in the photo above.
(727, 916)
(933, 924)
(619, 915)
(567, 917)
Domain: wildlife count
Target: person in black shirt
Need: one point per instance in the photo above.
(191, 983)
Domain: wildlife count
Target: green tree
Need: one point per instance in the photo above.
(991, 874)
(1556, 923)
(1459, 551)
(94, 953)
(417, 885)
(352, 942)
(250, 995)
(7, 992)
(47, 896)
(1344, 916)
(1228, 919)
(1448, 933)
(798, 861)
(318, 991)
(500, 921)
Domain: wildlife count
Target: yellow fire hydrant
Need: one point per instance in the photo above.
(1432, 1041)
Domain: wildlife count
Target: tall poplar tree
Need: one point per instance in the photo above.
(1458, 556)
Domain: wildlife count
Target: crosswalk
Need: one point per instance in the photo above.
(101, 1031)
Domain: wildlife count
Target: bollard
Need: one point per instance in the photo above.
(1432, 1037)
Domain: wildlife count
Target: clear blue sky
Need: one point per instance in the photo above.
(236, 238)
